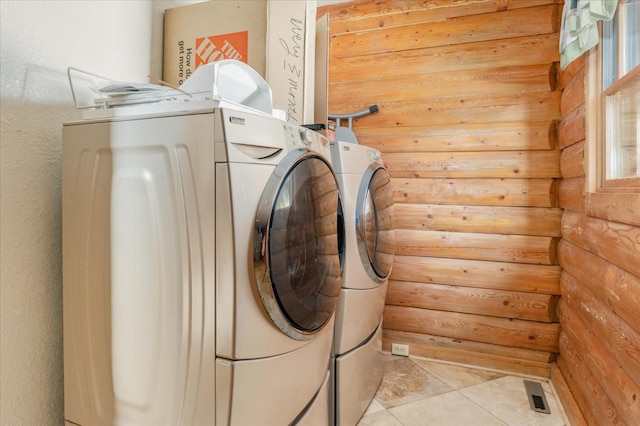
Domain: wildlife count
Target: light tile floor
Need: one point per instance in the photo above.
(421, 392)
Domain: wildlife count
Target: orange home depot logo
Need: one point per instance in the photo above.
(223, 46)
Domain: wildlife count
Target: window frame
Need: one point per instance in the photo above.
(612, 199)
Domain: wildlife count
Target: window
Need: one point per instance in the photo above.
(617, 101)
(612, 153)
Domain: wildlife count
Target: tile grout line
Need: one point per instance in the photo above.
(484, 409)
(456, 388)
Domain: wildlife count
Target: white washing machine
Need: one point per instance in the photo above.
(369, 249)
(202, 266)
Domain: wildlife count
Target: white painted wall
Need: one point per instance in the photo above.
(39, 39)
(121, 39)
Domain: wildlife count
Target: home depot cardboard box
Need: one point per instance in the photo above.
(205, 32)
(276, 38)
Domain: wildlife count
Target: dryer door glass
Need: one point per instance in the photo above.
(374, 223)
(299, 245)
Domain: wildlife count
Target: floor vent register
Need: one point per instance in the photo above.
(537, 400)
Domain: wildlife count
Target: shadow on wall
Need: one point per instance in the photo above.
(31, 246)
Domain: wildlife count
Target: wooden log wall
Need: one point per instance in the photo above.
(599, 252)
(467, 125)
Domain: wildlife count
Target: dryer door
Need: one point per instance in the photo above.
(299, 244)
(374, 222)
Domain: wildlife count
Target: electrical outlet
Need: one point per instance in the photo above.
(398, 349)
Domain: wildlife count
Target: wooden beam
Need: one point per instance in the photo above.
(502, 136)
(619, 289)
(572, 161)
(531, 106)
(616, 207)
(616, 242)
(478, 246)
(567, 74)
(503, 164)
(571, 194)
(532, 335)
(498, 357)
(573, 94)
(537, 221)
(470, 300)
(456, 30)
(623, 393)
(572, 127)
(358, 15)
(593, 401)
(476, 192)
(465, 83)
(477, 273)
(566, 397)
(540, 50)
(620, 340)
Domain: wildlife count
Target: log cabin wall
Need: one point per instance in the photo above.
(468, 102)
(469, 106)
(600, 283)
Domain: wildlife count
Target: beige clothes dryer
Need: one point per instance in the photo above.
(369, 250)
(201, 267)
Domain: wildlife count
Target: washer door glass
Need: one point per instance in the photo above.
(299, 245)
(374, 223)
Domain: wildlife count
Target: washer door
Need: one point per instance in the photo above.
(299, 244)
(374, 223)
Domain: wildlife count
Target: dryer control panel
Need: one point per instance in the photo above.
(301, 137)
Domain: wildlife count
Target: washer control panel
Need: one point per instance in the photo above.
(301, 137)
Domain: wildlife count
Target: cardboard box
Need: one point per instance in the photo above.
(276, 38)
(205, 32)
(291, 45)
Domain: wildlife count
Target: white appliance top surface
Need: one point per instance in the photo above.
(222, 84)
(167, 108)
